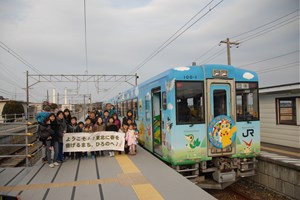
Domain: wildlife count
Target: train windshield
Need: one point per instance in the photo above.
(189, 102)
(247, 101)
(220, 102)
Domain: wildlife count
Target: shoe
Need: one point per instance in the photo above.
(56, 163)
(93, 157)
(111, 154)
(51, 165)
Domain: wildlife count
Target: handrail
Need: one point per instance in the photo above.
(25, 134)
(15, 117)
(26, 125)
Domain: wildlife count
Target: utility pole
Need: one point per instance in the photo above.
(84, 106)
(227, 41)
(136, 78)
(47, 96)
(27, 96)
(90, 101)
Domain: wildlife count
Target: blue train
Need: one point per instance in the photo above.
(202, 120)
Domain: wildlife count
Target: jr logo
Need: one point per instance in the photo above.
(249, 131)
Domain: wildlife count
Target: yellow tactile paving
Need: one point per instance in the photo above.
(126, 164)
(131, 176)
(281, 151)
(144, 191)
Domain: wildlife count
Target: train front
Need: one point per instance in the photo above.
(222, 130)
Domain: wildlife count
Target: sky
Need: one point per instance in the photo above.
(48, 37)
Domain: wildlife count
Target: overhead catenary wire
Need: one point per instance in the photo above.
(269, 29)
(217, 54)
(272, 58)
(22, 60)
(266, 29)
(279, 67)
(266, 24)
(173, 37)
(7, 92)
(18, 57)
(174, 34)
(166, 44)
(11, 77)
(205, 53)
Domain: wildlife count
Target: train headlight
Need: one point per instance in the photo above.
(224, 73)
(220, 73)
(216, 73)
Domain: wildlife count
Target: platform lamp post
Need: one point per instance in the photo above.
(136, 78)
(84, 107)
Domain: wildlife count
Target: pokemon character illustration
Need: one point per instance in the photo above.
(226, 133)
(192, 144)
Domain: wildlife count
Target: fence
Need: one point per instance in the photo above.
(11, 142)
(9, 118)
(12, 145)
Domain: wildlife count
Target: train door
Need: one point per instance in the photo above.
(221, 117)
(156, 121)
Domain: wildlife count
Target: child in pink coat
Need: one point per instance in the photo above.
(131, 139)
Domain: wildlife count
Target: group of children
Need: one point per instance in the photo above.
(53, 126)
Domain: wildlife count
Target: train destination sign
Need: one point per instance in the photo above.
(97, 141)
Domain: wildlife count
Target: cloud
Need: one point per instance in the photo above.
(50, 35)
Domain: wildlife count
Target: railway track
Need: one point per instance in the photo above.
(245, 189)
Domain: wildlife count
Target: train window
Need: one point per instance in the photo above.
(189, 102)
(125, 108)
(147, 108)
(286, 111)
(247, 101)
(135, 109)
(129, 104)
(164, 100)
(119, 108)
(220, 102)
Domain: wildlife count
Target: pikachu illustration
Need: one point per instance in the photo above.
(226, 133)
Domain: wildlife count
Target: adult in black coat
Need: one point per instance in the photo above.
(67, 116)
(111, 127)
(45, 135)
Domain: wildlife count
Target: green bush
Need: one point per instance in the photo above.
(11, 108)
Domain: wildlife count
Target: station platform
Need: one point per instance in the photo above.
(142, 176)
(281, 155)
(279, 169)
(281, 150)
